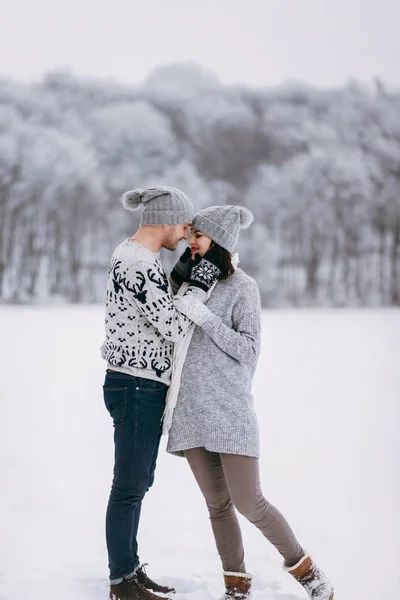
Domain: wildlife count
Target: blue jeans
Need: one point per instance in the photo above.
(136, 406)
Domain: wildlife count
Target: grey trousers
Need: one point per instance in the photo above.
(229, 481)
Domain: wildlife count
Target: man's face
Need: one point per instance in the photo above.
(174, 234)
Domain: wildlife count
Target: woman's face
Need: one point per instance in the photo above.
(199, 243)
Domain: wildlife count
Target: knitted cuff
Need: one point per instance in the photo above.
(197, 292)
(209, 326)
(193, 309)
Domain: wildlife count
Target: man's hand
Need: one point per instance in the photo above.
(183, 268)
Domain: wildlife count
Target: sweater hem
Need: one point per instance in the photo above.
(179, 450)
(136, 372)
(224, 440)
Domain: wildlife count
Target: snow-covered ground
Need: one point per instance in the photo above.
(327, 393)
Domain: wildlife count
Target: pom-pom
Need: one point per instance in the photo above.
(132, 199)
(246, 217)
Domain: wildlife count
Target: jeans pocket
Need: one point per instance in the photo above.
(149, 385)
(116, 401)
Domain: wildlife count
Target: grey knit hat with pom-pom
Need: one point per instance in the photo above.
(162, 206)
(222, 223)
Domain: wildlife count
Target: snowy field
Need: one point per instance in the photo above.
(327, 393)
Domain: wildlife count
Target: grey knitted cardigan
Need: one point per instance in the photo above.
(215, 405)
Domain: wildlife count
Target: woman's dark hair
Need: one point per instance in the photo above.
(225, 260)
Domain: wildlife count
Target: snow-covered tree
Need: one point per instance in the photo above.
(319, 169)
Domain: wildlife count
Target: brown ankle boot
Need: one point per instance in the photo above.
(314, 581)
(237, 586)
(131, 589)
(151, 585)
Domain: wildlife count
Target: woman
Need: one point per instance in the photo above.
(214, 424)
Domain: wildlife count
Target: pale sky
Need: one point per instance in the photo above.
(258, 42)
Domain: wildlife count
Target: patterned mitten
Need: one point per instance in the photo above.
(207, 272)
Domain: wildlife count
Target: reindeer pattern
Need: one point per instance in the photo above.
(131, 339)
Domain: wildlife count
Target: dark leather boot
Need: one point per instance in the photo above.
(131, 589)
(151, 585)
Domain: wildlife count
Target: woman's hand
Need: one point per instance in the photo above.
(207, 271)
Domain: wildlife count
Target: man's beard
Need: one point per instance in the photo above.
(170, 244)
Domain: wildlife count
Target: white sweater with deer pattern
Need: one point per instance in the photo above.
(141, 320)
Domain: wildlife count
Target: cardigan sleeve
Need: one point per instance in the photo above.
(241, 341)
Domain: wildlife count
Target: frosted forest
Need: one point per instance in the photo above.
(320, 169)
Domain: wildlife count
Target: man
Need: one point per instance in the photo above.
(142, 324)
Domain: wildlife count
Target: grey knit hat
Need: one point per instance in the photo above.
(162, 206)
(222, 223)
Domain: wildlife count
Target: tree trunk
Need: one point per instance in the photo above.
(394, 265)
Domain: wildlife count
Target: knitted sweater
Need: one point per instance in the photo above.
(141, 320)
(215, 406)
